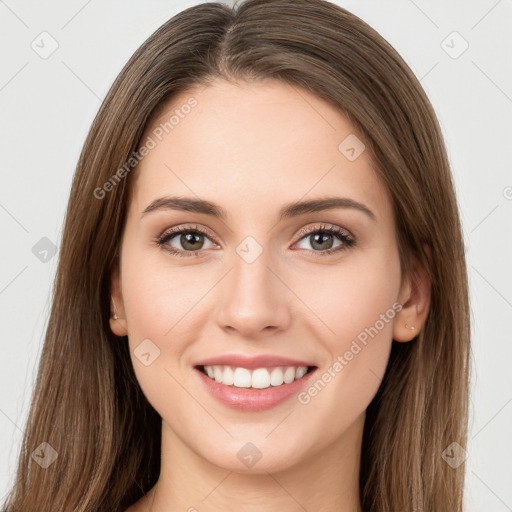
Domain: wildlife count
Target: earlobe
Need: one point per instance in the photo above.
(114, 315)
(415, 300)
(118, 323)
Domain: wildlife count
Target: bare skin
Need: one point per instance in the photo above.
(251, 149)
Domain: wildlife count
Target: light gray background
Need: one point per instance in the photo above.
(49, 103)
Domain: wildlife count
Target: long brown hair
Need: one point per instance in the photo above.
(87, 404)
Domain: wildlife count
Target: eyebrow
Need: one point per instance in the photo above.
(295, 209)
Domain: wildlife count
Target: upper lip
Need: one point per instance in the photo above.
(252, 362)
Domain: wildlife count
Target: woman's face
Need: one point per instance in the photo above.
(257, 281)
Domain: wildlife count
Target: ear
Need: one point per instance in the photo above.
(118, 325)
(414, 297)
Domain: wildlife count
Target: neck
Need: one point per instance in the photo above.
(326, 480)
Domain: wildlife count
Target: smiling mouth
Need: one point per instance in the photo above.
(259, 378)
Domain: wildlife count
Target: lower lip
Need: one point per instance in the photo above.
(251, 399)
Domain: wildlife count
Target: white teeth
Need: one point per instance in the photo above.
(241, 377)
(228, 377)
(217, 373)
(289, 375)
(276, 377)
(259, 378)
(301, 371)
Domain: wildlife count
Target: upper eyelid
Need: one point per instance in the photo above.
(175, 230)
(324, 226)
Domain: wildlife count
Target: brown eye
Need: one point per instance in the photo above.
(322, 240)
(185, 241)
(191, 241)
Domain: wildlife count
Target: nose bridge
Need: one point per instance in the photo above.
(253, 298)
(252, 278)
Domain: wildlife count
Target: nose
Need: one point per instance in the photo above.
(254, 300)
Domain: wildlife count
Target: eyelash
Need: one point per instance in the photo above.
(348, 241)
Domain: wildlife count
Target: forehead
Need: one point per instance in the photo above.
(261, 143)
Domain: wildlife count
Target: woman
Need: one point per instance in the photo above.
(205, 350)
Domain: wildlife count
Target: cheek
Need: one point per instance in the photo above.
(166, 306)
(358, 304)
(158, 294)
(350, 298)
(156, 302)
(366, 305)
